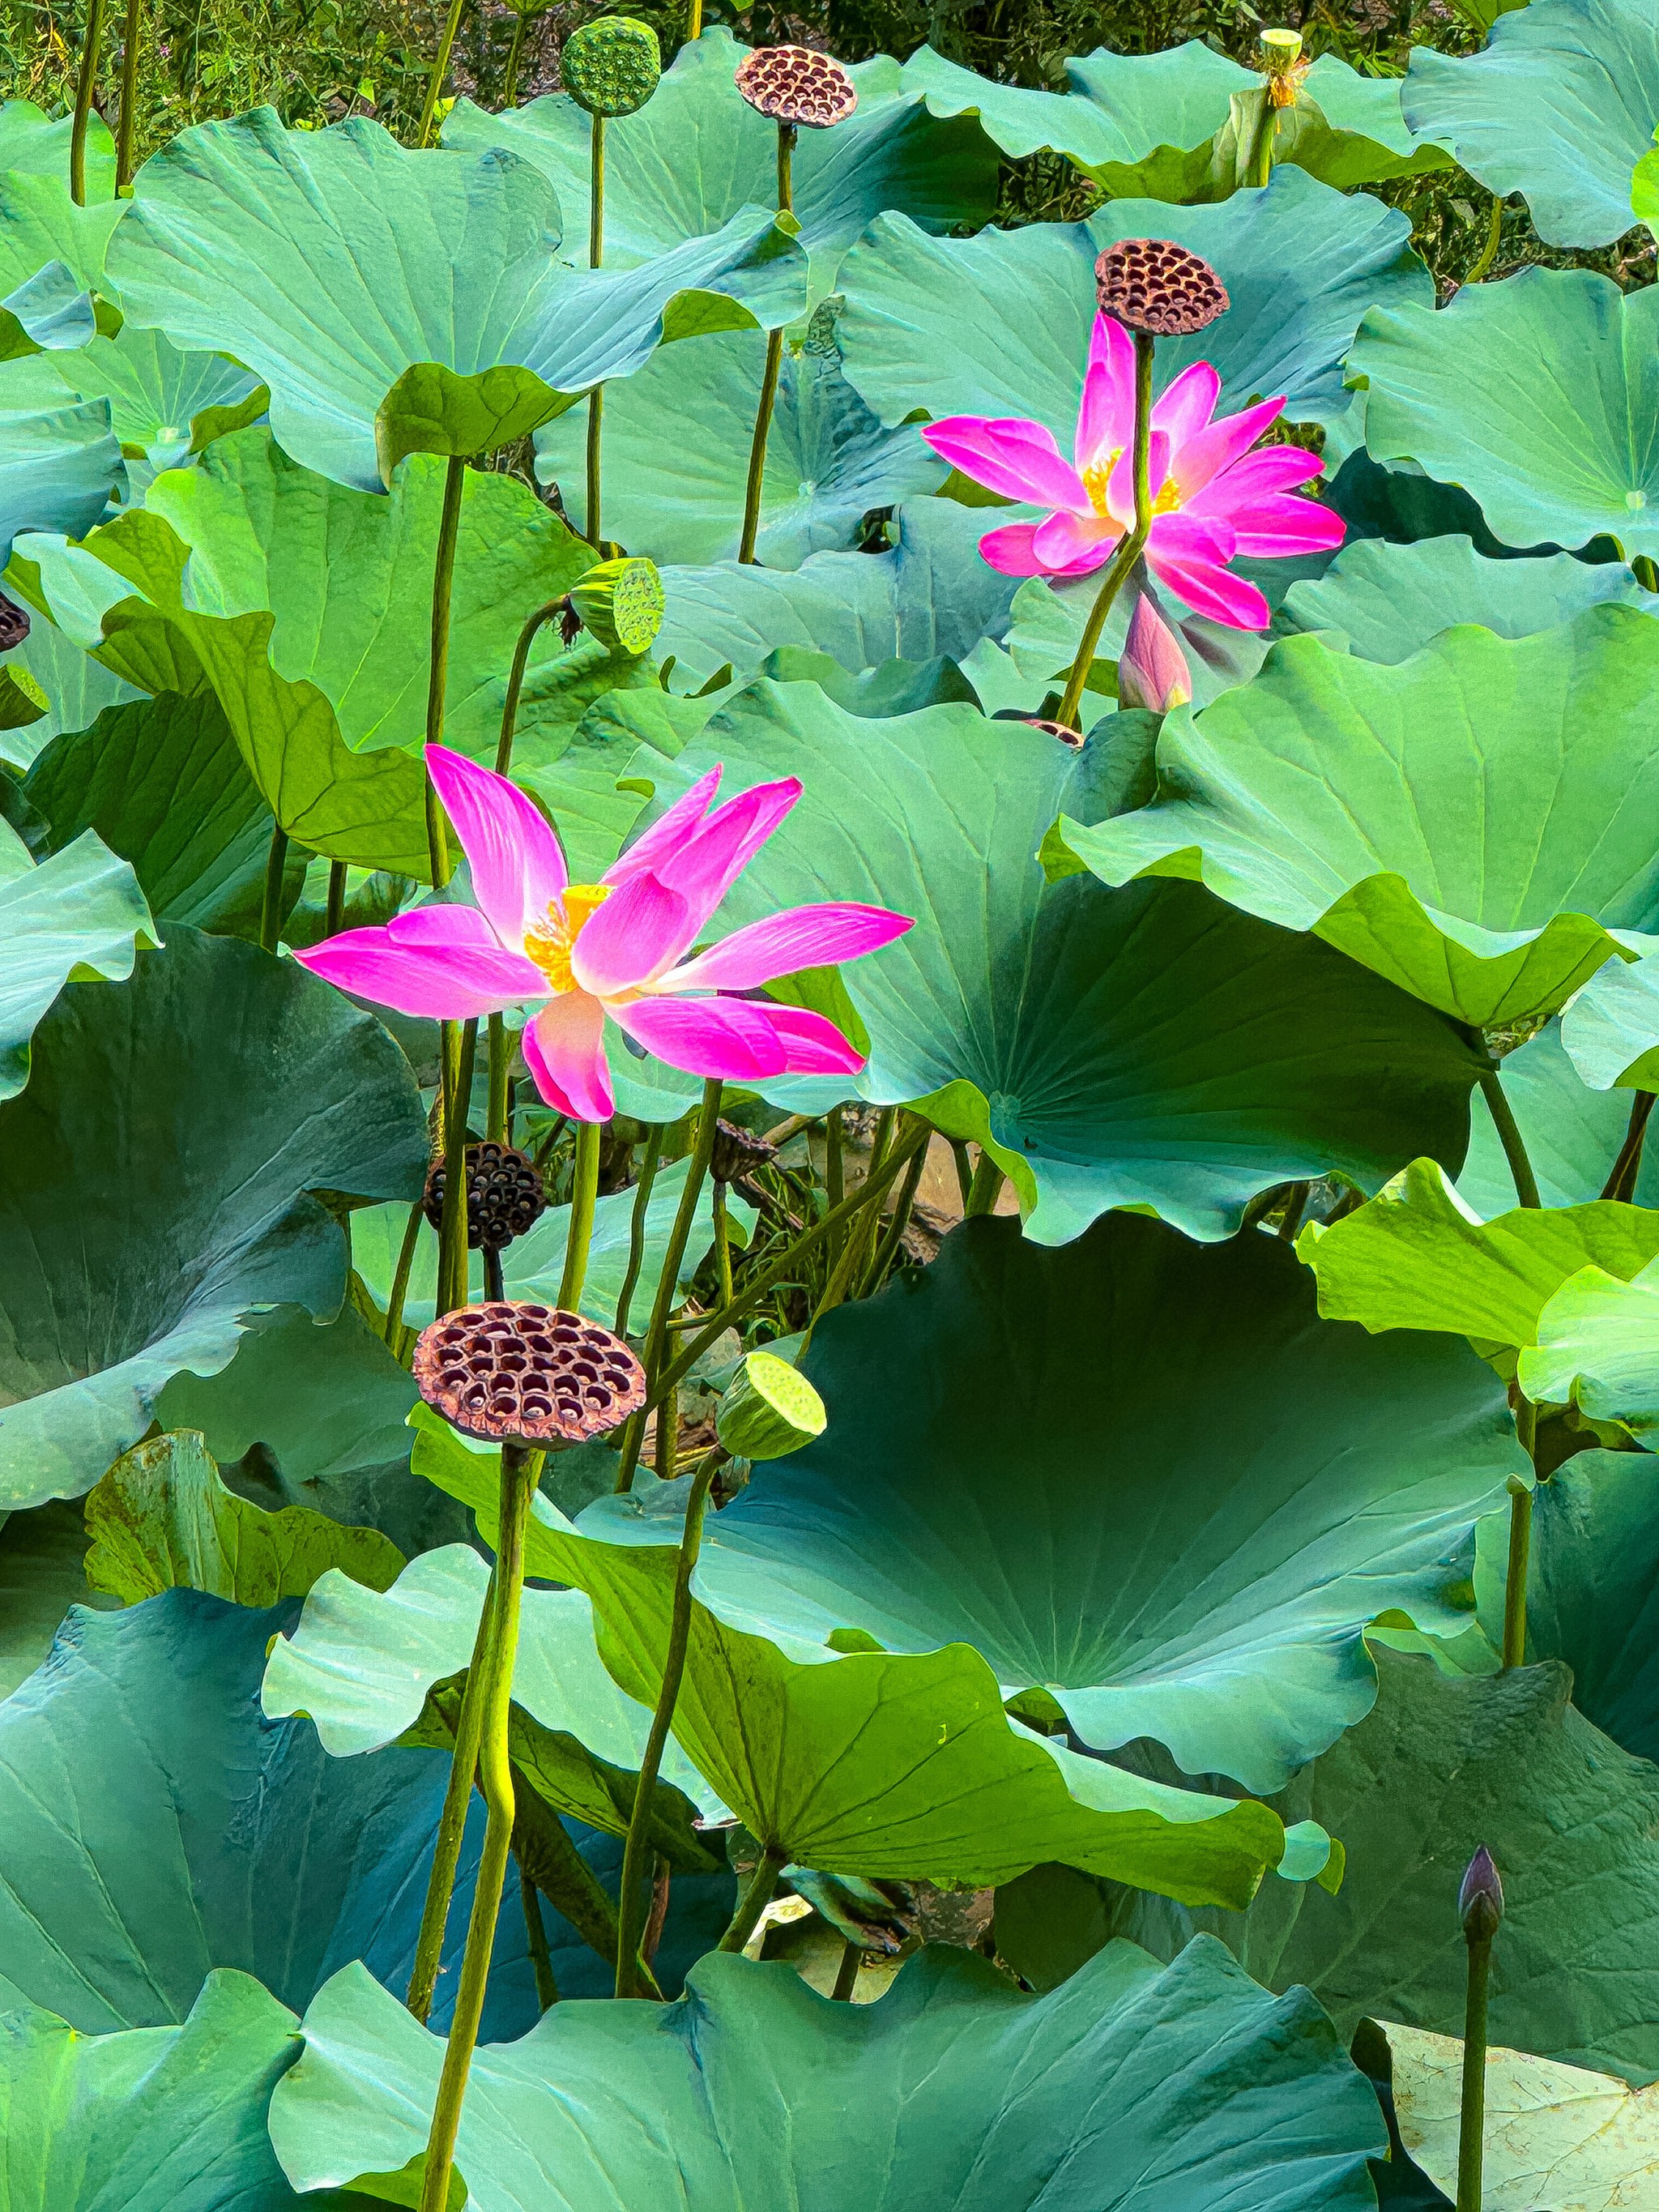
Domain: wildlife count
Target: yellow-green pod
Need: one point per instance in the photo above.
(621, 601)
(768, 1410)
(612, 65)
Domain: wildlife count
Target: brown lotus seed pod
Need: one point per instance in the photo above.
(14, 623)
(504, 1195)
(532, 1373)
(792, 84)
(1063, 731)
(1153, 284)
(737, 1152)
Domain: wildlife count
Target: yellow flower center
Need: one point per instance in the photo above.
(1168, 500)
(1098, 477)
(550, 942)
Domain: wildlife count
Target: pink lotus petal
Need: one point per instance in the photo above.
(1210, 589)
(733, 1038)
(1018, 459)
(1206, 455)
(437, 981)
(1270, 529)
(1008, 550)
(442, 924)
(1269, 469)
(1186, 407)
(1152, 670)
(564, 1051)
(518, 869)
(668, 834)
(815, 1045)
(703, 870)
(639, 930)
(1064, 541)
(803, 937)
(1106, 415)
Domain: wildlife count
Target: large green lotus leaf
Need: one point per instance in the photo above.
(1131, 2087)
(154, 2119)
(676, 455)
(1389, 600)
(155, 1181)
(930, 594)
(80, 915)
(34, 145)
(1416, 1256)
(1573, 1133)
(359, 1665)
(697, 153)
(1540, 396)
(332, 263)
(1597, 1348)
(1559, 2138)
(1073, 1032)
(1611, 1031)
(1472, 822)
(1560, 105)
(157, 1826)
(58, 466)
(77, 690)
(156, 395)
(532, 1264)
(161, 1519)
(163, 784)
(51, 259)
(42, 1574)
(998, 324)
(972, 1487)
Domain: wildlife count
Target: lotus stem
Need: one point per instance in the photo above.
(85, 84)
(846, 1974)
(334, 913)
(757, 1896)
(527, 637)
(495, 1776)
(1295, 1205)
(768, 390)
(984, 1189)
(434, 83)
(637, 1226)
(693, 20)
(510, 85)
(584, 1192)
(1508, 1135)
(722, 1243)
(452, 1822)
(501, 1111)
(394, 1304)
(834, 1175)
(443, 581)
(535, 1928)
(494, 1282)
(1134, 545)
(631, 1897)
(887, 1251)
(1621, 1182)
(451, 1231)
(965, 1173)
(131, 37)
(1645, 571)
(270, 906)
(1488, 253)
(595, 258)
(1514, 1586)
(1480, 1908)
(787, 133)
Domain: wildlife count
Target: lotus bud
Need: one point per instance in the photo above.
(611, 66)
(792, 84)
(1481, 1900)
(621, 601)
(504, 1194)
(1281, 51)
(770, 1409)
(1152, 670)
(1152, 284)
(512, 1372)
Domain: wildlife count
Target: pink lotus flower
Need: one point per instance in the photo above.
(1213, 498)
(1151, 670)
(610, 948)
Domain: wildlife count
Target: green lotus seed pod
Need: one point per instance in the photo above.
(610, 66)
(768, 1409)
(622, 602)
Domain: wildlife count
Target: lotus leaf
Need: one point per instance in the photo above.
(32, 143)
(161, 400)
(1471, 822)
(121, 1269)
(42, 1555)
(953, 2089)
(1540, 396)
(1560, 105)
(1611, 1031)
(58, 466)
(77, 689)
(1597, 1348)
(79, 914)
(1573, 1133)
(298, 251)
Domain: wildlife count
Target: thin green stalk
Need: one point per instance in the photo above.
(435, 83)
(847, 1974)
(452, 1822)
(270, 907)
(1472, 2122)
(834, 1175)
(694, 22)
(668, 1434)
(535, 1928)
(496, 1778)
(757, 1896)
(678, 1236)
(965, 1173)
(595, 259)
(500, 1058)
(636, 1227)
(494, 1287)
(515, 683)
(1295, 1206)
(334, 913)
(631, 1895)
(451, 1230)
(1488, 253)
(510, 87)
(584, 1191)
(1259, 169)
(131, 42)
(887, 1251)
(983, 1191)
(1621, 1179)
(1515, 1588)
(86, 83)
(443, 584)
(869, 1222)
(1129, 552)
(1508, 1135)
(394, 1307)
(722, 1243)
(788, 134)
(752, 494)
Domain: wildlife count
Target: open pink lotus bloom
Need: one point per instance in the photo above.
(1213, 498)
(615, 948)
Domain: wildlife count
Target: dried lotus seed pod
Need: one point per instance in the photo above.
(1152, 284)
(612, 65)
(792, 84)
(504, 1194)
(508, 1371)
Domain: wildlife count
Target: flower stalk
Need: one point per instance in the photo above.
(1515, 1585)
(85, 84)
(440, 70)
(452, 1821)
(757, 1896)
(126, 130)
(1621, 1178)
(788, 134)
(595, 258)
(1134, 545)
(270, 905)
(637, 1227)
(1480, 1909)
(584, 1193)
(1508, 1135)
(451, 1233)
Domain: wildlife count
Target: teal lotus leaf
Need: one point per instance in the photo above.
(676, 455)
(34, 145)
(42, 1574)
(1074, 1034)
(155, 2119)
(1540, 396)
(333, 263)
(1573, 1133)
(51, 259)
(1386, 600)
(1471, 824)
(158, 396)
(953, 2089)
(80, 914)
(1611, 1031)
(58, 467)
(998, 324)
(122, 1266)
(77, 689)
(696, 155)
(1597, 1349)
(971, 1488)
(1560, 105)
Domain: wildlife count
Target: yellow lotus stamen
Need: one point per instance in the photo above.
(551, 941)
(1098, 477)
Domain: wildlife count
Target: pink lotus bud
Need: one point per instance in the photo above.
(1152, 670)
(1480, 1899)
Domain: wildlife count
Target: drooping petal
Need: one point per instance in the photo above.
(733, 1038)
(1152, 670)
(1070, 544)
(640, 929)
(1007, 454)
(1186, 407)
(517, 868)
(1206, 455)
(1270, 528)
(1008, 550)
(453, 981)
(1191, 557)
(1269, 469)
(803, 937)
(814, 1044)
(564, 1051)
(670, 833)
(704, 870)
